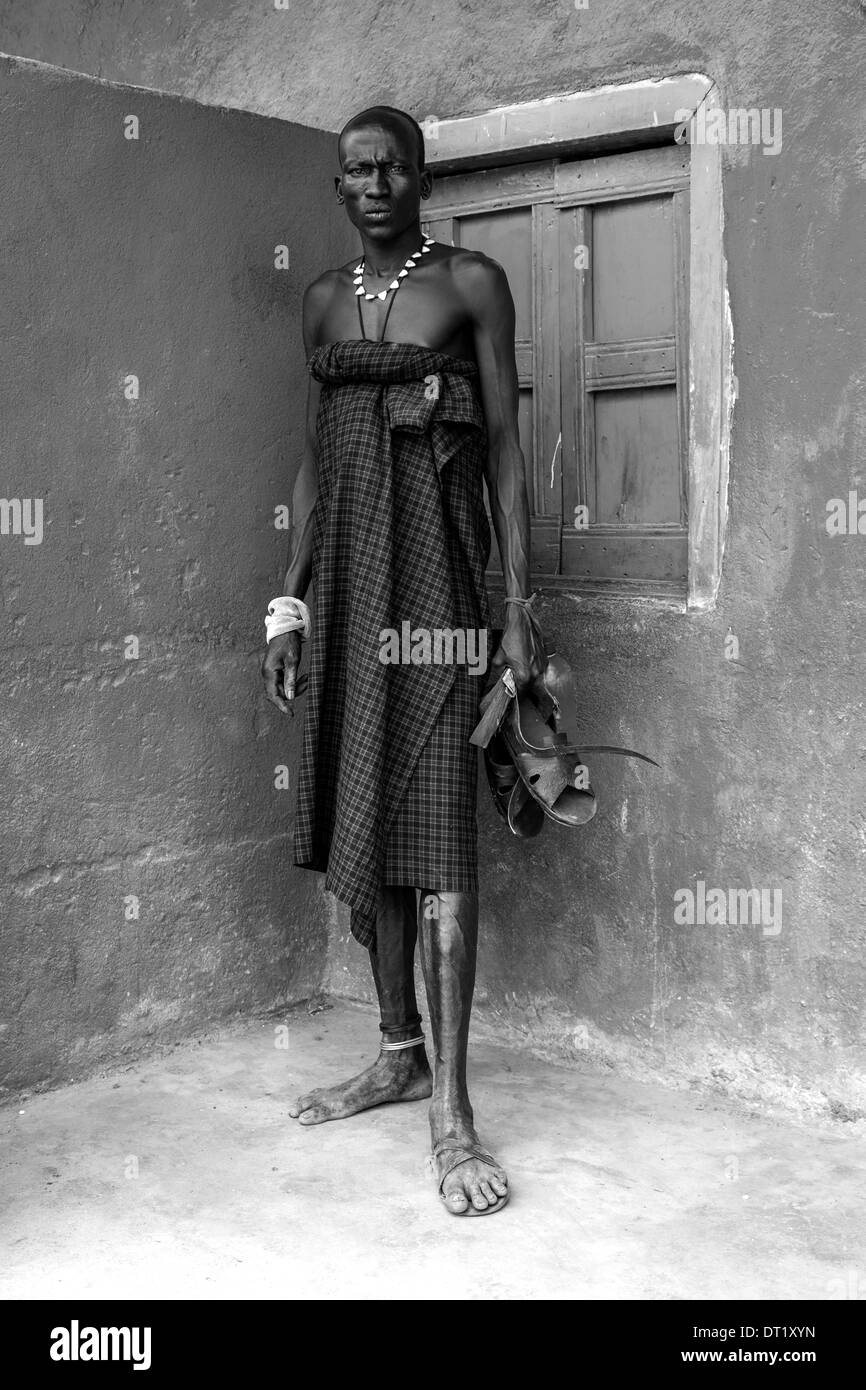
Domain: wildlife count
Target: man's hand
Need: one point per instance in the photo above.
(280, 670)
(520, 649)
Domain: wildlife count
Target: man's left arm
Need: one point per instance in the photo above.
(492, 309)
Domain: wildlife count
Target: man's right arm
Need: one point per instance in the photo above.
(280, 664)
(306, 491)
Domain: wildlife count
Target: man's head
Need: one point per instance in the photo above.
(383, 176)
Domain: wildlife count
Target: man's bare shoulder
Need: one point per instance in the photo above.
(319, 291)
(318, 297)
(477, 276)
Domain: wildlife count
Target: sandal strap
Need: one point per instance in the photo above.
(467, 1152)
(611, 748)
(567, 750)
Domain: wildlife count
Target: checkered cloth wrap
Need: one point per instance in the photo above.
(387, 783)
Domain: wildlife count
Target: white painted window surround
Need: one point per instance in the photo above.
(607, 118)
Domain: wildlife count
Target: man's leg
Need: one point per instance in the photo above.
(394, 1076)
(449, 939)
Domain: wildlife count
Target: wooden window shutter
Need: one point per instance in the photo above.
(596, 253)
(623, 321)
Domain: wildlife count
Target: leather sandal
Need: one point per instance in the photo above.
(548, 765)
(523, 816)
(534, 729)
(467, 1152)
(551, 767)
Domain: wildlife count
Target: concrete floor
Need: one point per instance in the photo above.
(183, 1177)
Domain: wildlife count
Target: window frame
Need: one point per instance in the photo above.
(603, 121)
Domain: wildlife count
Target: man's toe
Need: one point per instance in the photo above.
(490, 1195)
(479, 1201)
(313, 1115)
(457, 1200)
(302, 1103)
(499, 1183)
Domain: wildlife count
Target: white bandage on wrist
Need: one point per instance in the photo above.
(287, 614)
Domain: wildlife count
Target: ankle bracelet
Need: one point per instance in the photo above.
(397, 1047)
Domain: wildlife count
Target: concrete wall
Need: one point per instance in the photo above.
(762, 781)
(151, 777)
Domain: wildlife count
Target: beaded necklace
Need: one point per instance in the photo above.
(395, 284)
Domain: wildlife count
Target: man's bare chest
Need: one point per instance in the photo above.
(426, 310)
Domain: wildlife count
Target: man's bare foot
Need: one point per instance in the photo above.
(473, 1183)
(394, 1076)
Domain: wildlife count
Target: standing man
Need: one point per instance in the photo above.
(413, 398)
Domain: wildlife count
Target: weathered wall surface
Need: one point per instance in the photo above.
(763, 771)
(153, 777)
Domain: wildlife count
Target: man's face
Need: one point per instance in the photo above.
(381, 183)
